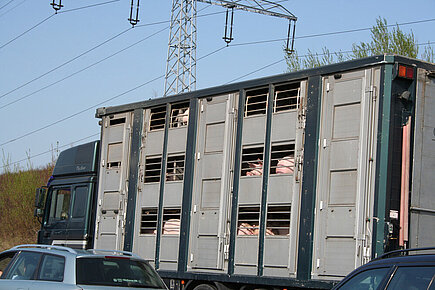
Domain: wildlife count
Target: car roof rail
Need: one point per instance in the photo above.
(48, 247)
(113, 252)
(404, 252)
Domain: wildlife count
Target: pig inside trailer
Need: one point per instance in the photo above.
(287, 181)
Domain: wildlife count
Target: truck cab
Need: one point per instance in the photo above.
(65, 207)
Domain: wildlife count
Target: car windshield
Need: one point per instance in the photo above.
(117, 271)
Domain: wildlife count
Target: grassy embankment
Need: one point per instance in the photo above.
(17, 198)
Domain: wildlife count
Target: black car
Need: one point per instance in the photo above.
(412, 269)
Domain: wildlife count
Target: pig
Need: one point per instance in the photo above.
(257, 168)
(286, 165)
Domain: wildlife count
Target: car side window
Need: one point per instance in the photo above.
(413, 278)
(24, 266)
(5, 259)
(52, 268)
(369, 279)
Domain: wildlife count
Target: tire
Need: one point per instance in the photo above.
(204, 287)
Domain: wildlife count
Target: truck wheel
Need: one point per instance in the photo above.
(204, 287)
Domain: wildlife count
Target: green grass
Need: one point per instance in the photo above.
(17, 198)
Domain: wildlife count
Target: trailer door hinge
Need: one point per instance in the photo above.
(195, 208)
(198, 155)
(321, 205)
(202, 107)
(327, 87)
(191, 258)
(318, 263)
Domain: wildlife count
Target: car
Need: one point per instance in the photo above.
(57, 267)
(412, 269)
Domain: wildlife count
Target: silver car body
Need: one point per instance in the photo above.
(69, 272)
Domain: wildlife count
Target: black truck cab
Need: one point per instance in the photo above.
(65, 207)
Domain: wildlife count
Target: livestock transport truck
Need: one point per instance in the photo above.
(289, 181)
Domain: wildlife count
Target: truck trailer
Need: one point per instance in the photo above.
(288, 181)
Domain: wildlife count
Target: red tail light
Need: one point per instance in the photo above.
(406, 72)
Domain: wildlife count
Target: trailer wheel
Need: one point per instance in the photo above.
(205, 287)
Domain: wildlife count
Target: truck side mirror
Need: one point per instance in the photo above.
(40, 197)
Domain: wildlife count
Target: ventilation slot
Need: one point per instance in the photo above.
(248, 220)
(278, 220)
(153, 168)
(148, 221)
(256, 102)
(114, 122)
(286, 97)
(252, 161)
(179, 115)
(171, 221)
(175, 168)
(157, 118)
(282, 159)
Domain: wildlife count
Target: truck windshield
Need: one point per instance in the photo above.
(121, 272)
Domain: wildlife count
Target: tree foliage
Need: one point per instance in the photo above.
(383, 40)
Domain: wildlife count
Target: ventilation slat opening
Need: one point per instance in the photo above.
(248, 220)
(171, 221)
(157, 118)
(175, 168)
(286, 97)
(252, 161)
(118, 121)
(282, 159)
(278, 220)
(179, 115)
(148, 221)
(153, 169)
(256, 102)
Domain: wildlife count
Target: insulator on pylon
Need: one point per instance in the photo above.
(56, 6)
(228, 37)
(134, 17)
(291, 36)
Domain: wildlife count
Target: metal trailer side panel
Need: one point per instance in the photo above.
(345, 184)
(113, 179)
(422, 207)
(209, 231)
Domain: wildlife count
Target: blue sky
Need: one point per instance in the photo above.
(34, 98)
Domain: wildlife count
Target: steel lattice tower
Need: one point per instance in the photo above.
(181, 62)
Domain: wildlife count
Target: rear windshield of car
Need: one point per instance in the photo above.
(114, 271)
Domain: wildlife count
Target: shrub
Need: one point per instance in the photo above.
(17, 196)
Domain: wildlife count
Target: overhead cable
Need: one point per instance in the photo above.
(83, 69)
(7, 4)
(47, 18)
(96, 105)
(12, 8)
(87, 51)
(48, 151)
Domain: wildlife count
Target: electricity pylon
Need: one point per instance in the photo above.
(181, 62)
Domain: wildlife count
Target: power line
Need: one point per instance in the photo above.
(6, 4)
(332, 33)
(47, 18)
(83, 69)
(257, 70)
(25, 32)
(88, 6)
(7, 11)
(88, 51)
(48, 151)
(96, 105)
(67, 62)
